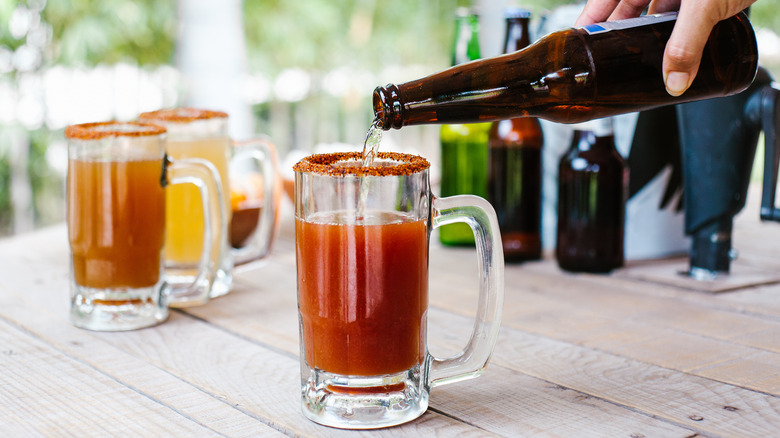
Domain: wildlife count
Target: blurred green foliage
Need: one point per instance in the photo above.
(86, 32)
(316, 35)
(766, 13)
(320, 35)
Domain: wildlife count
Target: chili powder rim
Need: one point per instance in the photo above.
(182, 115)
(93, 131)
(324, 164)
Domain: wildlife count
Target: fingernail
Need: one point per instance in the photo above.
(677, 82)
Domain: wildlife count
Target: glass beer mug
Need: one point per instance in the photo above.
(118, 174)
(198, 133)
(362, 237)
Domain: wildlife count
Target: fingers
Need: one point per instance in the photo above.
(686, 44)
(628, 9)
(684, 49)
(596, 11)
(659, 6)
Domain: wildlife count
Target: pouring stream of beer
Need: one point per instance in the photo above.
(370, 147)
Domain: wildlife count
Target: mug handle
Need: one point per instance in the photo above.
(481, 217)
(263, 152)
(206, 178)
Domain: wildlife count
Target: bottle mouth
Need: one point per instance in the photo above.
(341, 164)
(387, 107)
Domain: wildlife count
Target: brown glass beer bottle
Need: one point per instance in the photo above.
(592, 193)
(515, 165)
(574, 75)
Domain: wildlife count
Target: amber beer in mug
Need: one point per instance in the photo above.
(132, 188)
(390, 253)
(117, 178)
(199, 133)
(362, 236)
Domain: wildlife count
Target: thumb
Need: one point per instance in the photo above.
(684, 48)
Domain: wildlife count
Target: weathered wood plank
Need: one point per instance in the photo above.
(262, 382)
(680, 399)
(143, 380)
(44, 392)
(591, 311)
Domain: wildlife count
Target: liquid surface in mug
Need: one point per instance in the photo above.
(184, 224)
(363, 292)
(116, 222)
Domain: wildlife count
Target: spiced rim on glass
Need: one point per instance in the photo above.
(349, 163)
(100, 130)
(182, 115)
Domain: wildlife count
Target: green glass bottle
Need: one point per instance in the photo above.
(463, 147)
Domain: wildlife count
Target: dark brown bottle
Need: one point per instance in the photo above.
(515, 165)
(574, 75)
(592, 192)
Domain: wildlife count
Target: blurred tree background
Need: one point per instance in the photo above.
(310, 65)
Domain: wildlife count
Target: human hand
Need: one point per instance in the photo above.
(695, 21)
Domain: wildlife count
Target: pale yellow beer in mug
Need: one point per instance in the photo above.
(198, 133)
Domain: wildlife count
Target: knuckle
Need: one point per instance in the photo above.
(680, 55)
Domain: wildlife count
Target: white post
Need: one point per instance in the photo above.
(211, 54)
(491, 27)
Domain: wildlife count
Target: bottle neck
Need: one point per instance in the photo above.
(517, 36)
(466, 45)
(595, 135)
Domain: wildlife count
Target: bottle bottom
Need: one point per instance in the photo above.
(521, 247)
(589, 249)
(590, 265)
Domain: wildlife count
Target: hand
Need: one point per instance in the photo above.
(695, 21)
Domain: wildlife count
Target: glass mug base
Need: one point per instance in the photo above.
(354, 402)
(117, 309)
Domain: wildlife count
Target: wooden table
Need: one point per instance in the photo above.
(578, 355)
